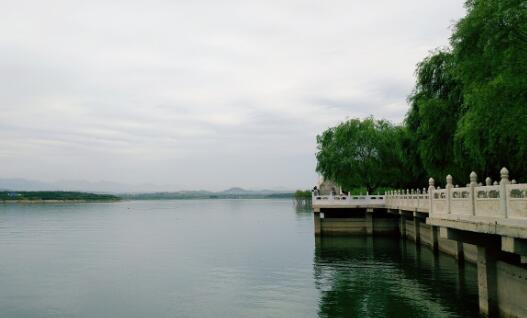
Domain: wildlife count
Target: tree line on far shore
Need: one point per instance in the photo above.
(54, 195)
(468, 112)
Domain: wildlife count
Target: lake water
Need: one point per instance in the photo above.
(213, 258)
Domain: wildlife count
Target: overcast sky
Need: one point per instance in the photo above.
(200, 93)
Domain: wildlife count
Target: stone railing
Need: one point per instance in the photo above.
(497, 201)
(506, 200)
(348, 200)
(413, 200)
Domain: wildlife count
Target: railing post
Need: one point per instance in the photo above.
(503, 190)
(418, 195)
(488, 181)
(448, 188)
(473, 185)
(431, 189)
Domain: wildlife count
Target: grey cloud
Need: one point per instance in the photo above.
(204, 93)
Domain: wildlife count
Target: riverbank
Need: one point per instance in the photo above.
(33, 197)
(197, 195)
(54, 201)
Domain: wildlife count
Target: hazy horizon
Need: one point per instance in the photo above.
(202, 94)
(21, 184)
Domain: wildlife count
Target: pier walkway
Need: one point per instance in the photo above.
(481, 223)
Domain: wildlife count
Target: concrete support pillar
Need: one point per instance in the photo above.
(417, 230)
(460, 253)
(316, 217)
(515, 246)
(318, 242)
(369, 221)
(434, 232)
(487, 281)
(402, 226)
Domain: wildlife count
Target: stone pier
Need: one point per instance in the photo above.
(481, 224)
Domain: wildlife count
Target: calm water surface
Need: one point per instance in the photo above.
(213, 258)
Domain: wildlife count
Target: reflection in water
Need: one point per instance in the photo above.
(212, 258)
(386, 277)
(303, 205)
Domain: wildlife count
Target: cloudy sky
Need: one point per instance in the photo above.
(200, 93)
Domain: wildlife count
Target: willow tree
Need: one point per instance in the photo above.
(489, 48)
(469, 106)
(360, 153)
(436, 105)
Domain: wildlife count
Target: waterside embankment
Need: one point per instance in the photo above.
(481, 224)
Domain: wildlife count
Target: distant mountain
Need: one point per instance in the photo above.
(19, 184)
(234, 190)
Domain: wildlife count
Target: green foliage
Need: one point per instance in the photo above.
(411, 168)
(469, 106)
(490, 51)
(435, 108)
(302, 194)
(363, 190)
(361, 153)
(54, 195)
(468, 111)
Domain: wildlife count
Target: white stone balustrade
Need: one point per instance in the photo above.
(423, 202)
(503, 200)
(347, 200)
(516, 200)
(461, 201)
(487, 201)
(492, 201)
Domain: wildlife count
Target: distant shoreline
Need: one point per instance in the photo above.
(30, 202)
(55, 201)
(201, 196)
(33, 197)
(59, 197)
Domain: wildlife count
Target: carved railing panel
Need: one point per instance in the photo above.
(461, 201)
(487, 201)
(423, 203)
(439, 202)
(344, 200)
(517, 200)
